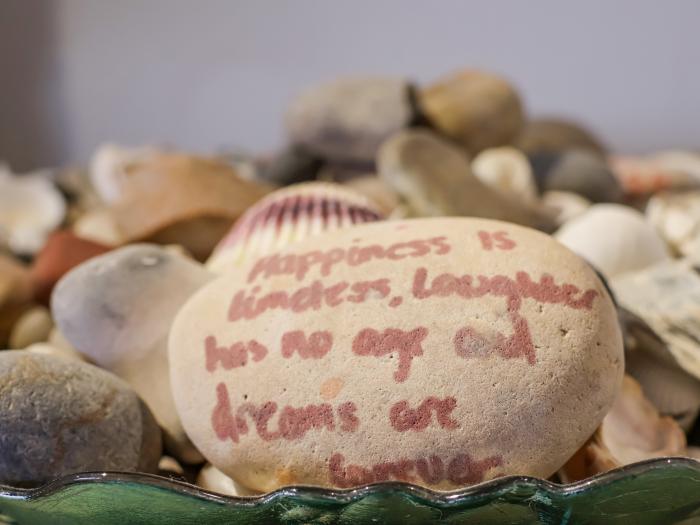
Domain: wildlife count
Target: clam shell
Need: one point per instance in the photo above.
(290, 215)
(108, 168)
(632, 431)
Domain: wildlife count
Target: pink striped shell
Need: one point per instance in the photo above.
(289, 215)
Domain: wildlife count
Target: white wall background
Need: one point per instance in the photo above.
(206, 74)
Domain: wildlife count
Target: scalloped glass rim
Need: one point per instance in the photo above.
(633, 493)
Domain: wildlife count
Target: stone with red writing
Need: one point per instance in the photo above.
(117, 310)
(440, 352)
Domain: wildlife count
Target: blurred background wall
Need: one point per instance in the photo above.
(211, 74)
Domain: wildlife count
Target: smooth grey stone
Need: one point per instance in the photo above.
(59, 416)
(346, 120)
(581, 172)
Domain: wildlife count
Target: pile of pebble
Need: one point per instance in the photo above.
(426, 285)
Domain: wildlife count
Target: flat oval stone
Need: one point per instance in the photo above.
(434, 178)
(59, 416)
(441, 352)
(347, 119)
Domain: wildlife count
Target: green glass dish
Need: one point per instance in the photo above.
(662, 491)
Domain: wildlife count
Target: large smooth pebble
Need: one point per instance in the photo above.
(347, 119)
(555, 135)
(477, 109)
(441, 352)
(117, 310)
(616, 239)
(59, 416)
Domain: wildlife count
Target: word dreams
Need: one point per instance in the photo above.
(291, 423)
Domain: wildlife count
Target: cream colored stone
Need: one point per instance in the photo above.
(211, 478)
(507, 171)
(33, 327)
(614, 238)
(117, 309)
(99, 226)
(302, 365)
(565, 205)
(52, 349)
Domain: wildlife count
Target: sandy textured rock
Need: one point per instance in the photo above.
(117, 310)
(477, 109)
(60, 416)
(616, 239)
(434, 178)
(555, 135)
(33, 327)
(347, 119)
(437, 351)
(290, 215)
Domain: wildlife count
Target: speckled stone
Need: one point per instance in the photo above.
(61, 416)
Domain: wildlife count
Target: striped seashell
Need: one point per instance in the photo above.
(290, 215)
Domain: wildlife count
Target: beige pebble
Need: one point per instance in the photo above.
(565, 205)
(34, 326)
(58, 351)
(477, 109)
(211, 478)
(99, 225)
(507, 171)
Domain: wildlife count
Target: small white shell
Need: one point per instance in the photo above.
(507, 171)
(30, 208)
(566, 205)
(676, 217)
(616, 239)
(107, 168)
